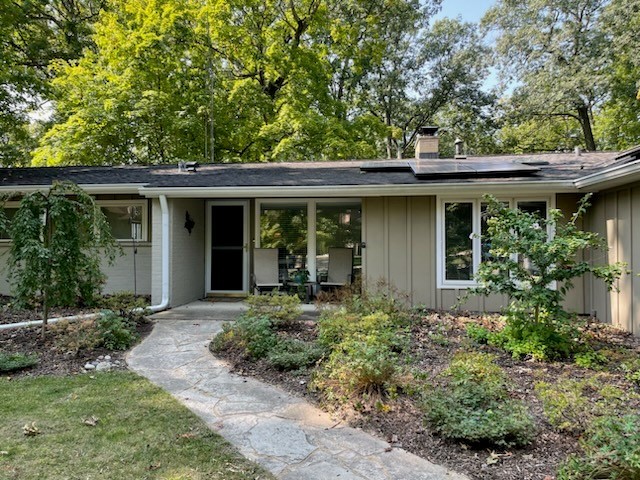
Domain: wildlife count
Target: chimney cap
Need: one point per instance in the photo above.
(430, 131)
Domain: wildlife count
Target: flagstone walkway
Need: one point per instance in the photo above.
(283, 433)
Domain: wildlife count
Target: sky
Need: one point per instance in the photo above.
(468, 10)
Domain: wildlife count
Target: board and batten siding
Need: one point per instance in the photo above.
(615, 215)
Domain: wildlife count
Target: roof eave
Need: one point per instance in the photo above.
(553, 186)
(610, 177)
(93, 188)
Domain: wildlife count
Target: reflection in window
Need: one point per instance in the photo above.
(337, 225)
(9, 213)
(125, 221)
(458, 241)
(285, 227)
(537, 209)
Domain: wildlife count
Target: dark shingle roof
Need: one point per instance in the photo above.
(560, 166)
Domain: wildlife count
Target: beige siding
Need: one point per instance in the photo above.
(616, 216)
(575, 300)
(400, 245)
(187, 251)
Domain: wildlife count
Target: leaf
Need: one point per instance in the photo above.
(30, 430)
(92, 421)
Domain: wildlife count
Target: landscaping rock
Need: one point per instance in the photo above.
(89, 366)
(103, 366)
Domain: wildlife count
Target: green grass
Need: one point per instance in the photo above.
(142, 433)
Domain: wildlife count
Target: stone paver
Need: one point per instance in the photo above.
(285, 434)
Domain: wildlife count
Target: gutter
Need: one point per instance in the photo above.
(164, 303)
(345, 191)
(611, 177)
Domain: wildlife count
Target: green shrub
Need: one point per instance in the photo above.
(127, 306)
(282, 310)
(10, 362)
(295, 354)
(253, 335)
(73, 337)
(611, 451)
(116, 332)
(547, 340)
(360, 365)
(478, 333)
(472, 405)
(335, 326)
(572, 405)
(631, 370)
(590, 359)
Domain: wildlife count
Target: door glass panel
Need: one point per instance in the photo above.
(227, 247)
(338, 225)
(285, 227)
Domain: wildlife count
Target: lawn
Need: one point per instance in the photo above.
(107, 425)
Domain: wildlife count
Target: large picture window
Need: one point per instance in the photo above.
(9, 213)
(462, 226)
(284, 226)
(128, 218)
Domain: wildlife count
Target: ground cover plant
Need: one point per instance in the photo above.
(438, 370)
(70, 345)
(107, 425)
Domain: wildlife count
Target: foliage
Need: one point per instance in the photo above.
(295, 354)
(57, 261)
(282, 310)
(536, 272)
(472, 404)
(253, 335)
(573, 405)
(10, 362)
(129, 307)
(116, 333)
(360, 365)
(75, 336)
(556, 51)
(612, 451)
(478, 333)
(631, 369)
(141, 432)
(590, 359)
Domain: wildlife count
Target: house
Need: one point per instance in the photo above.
(189, 232)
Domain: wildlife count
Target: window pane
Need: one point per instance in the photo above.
(458, 227)
(285, 227)
(125, 221)
(485, 245)
(9, 213)
(538, 208)
(338, 225)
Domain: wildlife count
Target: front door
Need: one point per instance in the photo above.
(228, 261)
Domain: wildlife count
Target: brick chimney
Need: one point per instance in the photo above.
(427, 142)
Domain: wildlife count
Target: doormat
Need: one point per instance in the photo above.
(224, 299)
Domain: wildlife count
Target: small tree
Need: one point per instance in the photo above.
(536, 270)
(59, 239)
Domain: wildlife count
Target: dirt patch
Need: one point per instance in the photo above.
(52, 359)
(436, 337)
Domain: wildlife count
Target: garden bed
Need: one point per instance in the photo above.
(436, 337)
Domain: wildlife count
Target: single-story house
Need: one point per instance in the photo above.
(190, 232)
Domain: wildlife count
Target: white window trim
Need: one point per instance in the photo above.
(126, 203)
(442, 282)
(312, 208)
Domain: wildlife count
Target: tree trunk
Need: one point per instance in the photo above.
(585, 123)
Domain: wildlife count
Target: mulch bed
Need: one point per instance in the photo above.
(52, 360)
(437, 336)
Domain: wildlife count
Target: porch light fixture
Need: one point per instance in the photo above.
(189, 223)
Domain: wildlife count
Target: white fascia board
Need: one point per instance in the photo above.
(92, 188)
(346, 191)
(611, 177)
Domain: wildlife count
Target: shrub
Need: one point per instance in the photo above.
(253, 335)
(282, 310)
(127, 306)
(631, 370)
(336, 326)
(590, 359)
(572, 405)
(611, 451)
(10, 362)
(116, 332)
(472, 405)
(359, 365)
(295, 354)
(478, 333)
(76, 336)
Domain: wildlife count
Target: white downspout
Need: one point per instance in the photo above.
(164, 303)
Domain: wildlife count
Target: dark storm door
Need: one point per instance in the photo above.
(228, 271)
